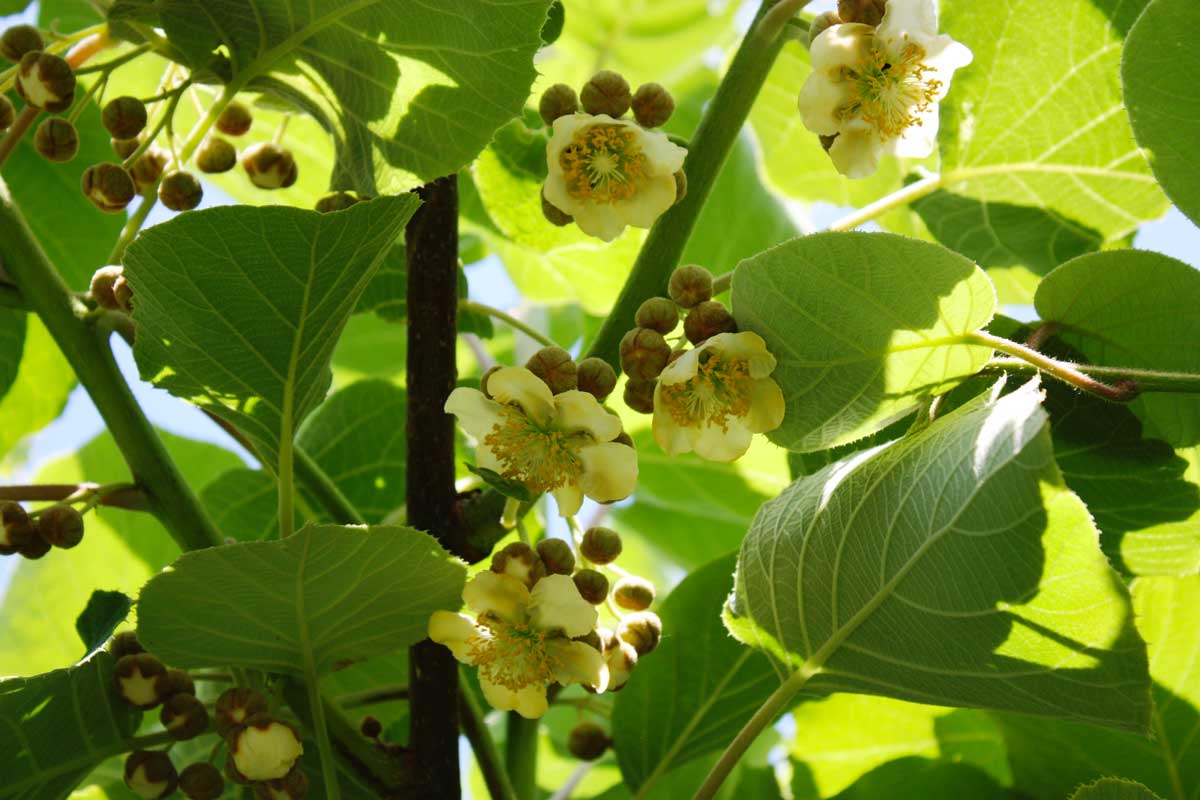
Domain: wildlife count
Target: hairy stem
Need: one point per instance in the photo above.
(508, 319)
(124, 496)
(1143, 380)
(1122, 392)
(520, 754)
(901, 197)
(486, 754)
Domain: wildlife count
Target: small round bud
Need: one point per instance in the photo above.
(136, 678)
(123, 295)
(125, 147)
(184, 717)
(690, 285)
(150, 774)
(643, 630)
(216, 155)
(292, 786)
(657, 314)
(517, 560)
(868, 12)
(108, 186)
(681, 185)
(600, 545)
(61, 525)
(606, 93)
(555, 367)
(557, 557)
(483, 382)
(644, 353)
(553, 214)
(591, 639)
(7, 113)
(621, 659)
(56, 140)
(269, 166)
(34, 549)
(596, 378)
(148, 169)
(235, 706)
(707, 320)
(557, 101)
(587, 741)
(822, 23)
(124, 644)
(265, 749)
(201, 781)
(235, 119)
(174, 682)
(639, 395)
(633, 593)
(46, 81)
(336, 201)
(19, 40)
(608, 639)
(592, 585)
(180, 191)
(101, 288)
(124, 117)
(371, 727)
(652, 105)
(18, 529)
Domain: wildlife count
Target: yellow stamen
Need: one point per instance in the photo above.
(603, 164)
(890, 93)
(514, 656)
(720, 390)
(542, 458)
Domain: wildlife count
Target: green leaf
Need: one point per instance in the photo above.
(239, 308)
(325, 596)
(387, 293)
(924, 778)
(698, 688)
(846, 374)
(963, 537)
(1164, 110)
(59, 726)
(1114, 789)
(243, 504)
(12, 345)
(1133, 308)
(40, 389)
(104, 612)
(506, 486)
(1047, 132)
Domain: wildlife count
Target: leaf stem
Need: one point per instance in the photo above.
(324, 490)
(1145, 380)
(372, 696)
(117, 495)
(134, 224)
(1121, 392)
(333, 790)
(286, 475)
(17, 131)
(901, 197)
(511, 321)
(486, 755)
(520, 754)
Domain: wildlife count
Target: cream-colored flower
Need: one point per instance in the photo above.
(713, 398)
(558, 443)
(521, 640)
(877, 89)
(608, 173)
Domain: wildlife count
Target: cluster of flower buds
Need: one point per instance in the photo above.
(46, 82)
(32, 535)
(263, 750)
(109, 289)
(561, 373)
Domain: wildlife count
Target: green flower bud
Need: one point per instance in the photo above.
(235, 706)
(822, 23)
(269, 166)
(148, 169)
(644, 353)
(657, 314)
(108, 186)
(592, 585)
(174, 682)
(123, 294)
(7, 113)
(18, 529)
(34, 549)
(596, 378)
(101, 288)
(201, 781)
(633, 593)
(557, 557)
(264, 749)
(868, 12)
(45, 81)
(600, 545)
(517, 560)
(652, 105)
(606, 93)
(150, 774)
(61, 525)
(19, 40)
(235, 119)
(336, 201)
(553, 214)
(557, 101)
(125, 147)
(690, 285)
(587, 741)
(136, 679)
(370, 727)
(124, 644)
(707, 320)
(124, 117)
(639, 395)
(184, 717)
(216, 155)
(643, 630)
(56, 140)
(292, 786)
(555, 367)
(180, 191)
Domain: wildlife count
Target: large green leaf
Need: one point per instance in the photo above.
(1046, 131)
(243, 504)
(927, 779)
(864, 326)
(325, 596)
(40, 389)
(100, 617)
(238, 309)
(12, 345)
(1165, 110)
(1133, 308)
(1114, 789)
(962, 537)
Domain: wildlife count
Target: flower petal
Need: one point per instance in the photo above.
(569, 499)
(476, 414)
(856, 152)
(610, 471)
(499, 595)
(529, 702)
(454, 631)
(820, 103)
(730, 444)
(517, 385)
(579, 663)
(684, 368)
(555, 604)
(915, 18)
(672, 437)
(576, 411)
(745, 346)
(918, 139)
(600, 220)
(841, 46)
(653, 197)
(766, 406)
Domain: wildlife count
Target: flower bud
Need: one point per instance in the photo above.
(557, 101)
(596, 378)
(184, 717)
(371, 728)
(336, 201)
(652, 105)
(18, 529)
(7, 113)
(124, 117)
(556, 369)
(235, 119)
(621, 660)
(517, 560)
(265, 749)
(644, 353)
(643, 630)
(136, 678)
(108, 186)
(125, 147)
(707, 320)
(292, 786)
(868, 12)
(591, 639)
(600, 545)
(34, 549)
(180, 191)
(216, 155)
(235, 706)
(101, 288)
(61, 525)
(553, 214)
(557, 557)
(633, 593)
(639, 395)
(690, 285)
(175, 681)
(822, 23)
(657, 314)
(587, 741)
(148, 169)
(606, 93)
(19, 40)
(592, 585)
(46, 81)
(681, 185)
(56, 140)
(123, 294)
(269, 166)
(150, 774)
(124, 644)
(201, 781)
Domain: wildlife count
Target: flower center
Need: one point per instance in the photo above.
(514, 656)
(602, 163)
(890, 91)
(542, 458)
(720, 390)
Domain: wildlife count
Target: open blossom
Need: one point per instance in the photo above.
(522, 639)
(558, 443)
(877, 89)
(714, 398)
(608, 173)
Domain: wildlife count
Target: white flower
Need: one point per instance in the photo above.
(877, 89)
(713, 398)
(521, 640)
(562, 444)
(608, 173)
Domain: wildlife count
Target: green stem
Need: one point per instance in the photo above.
(324, 490)
(111, 64)
(901, 197)
(1122, 392)
(486, 755)
(480, 308)
(1147, 380)
(134, 224)
(286, 472)
(17, 131)
(329, 770)
(372, 696)
(10, 297)
(520, 754)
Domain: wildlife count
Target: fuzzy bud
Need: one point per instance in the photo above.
(336, 201)
(292, 786)
(124, 148)
(150, 774)
(46, 81)
(269, 166)
(606, 93)
(371, 728)
(600, 545)
(124, 117)
(596, 378)
(868, 12)
(643, 630)
(644, 353)
(592, 585)
(657, 314)
(174, 682)
(707, 320)
(822, 23)
(235, 119)
(517, 560)
(633, 593)
(690, 285)
(136, 679)
(101, 288)
(556, 369)
(19, 40)
(265, 748)
(7, 113)
(235, 706)
(652, 105)
(34, 549)
(639, 395)
(201, 781)
(587, 741)
(184, 717)
(61, 525)
(557, 101)
(216, 155)
(148, 169)
(56, 140)
(621, 659)
(553, 214)
(108, 186)
(18, 529)
(180, 191)
(557, 557)
(123, 295)
(124, 644)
